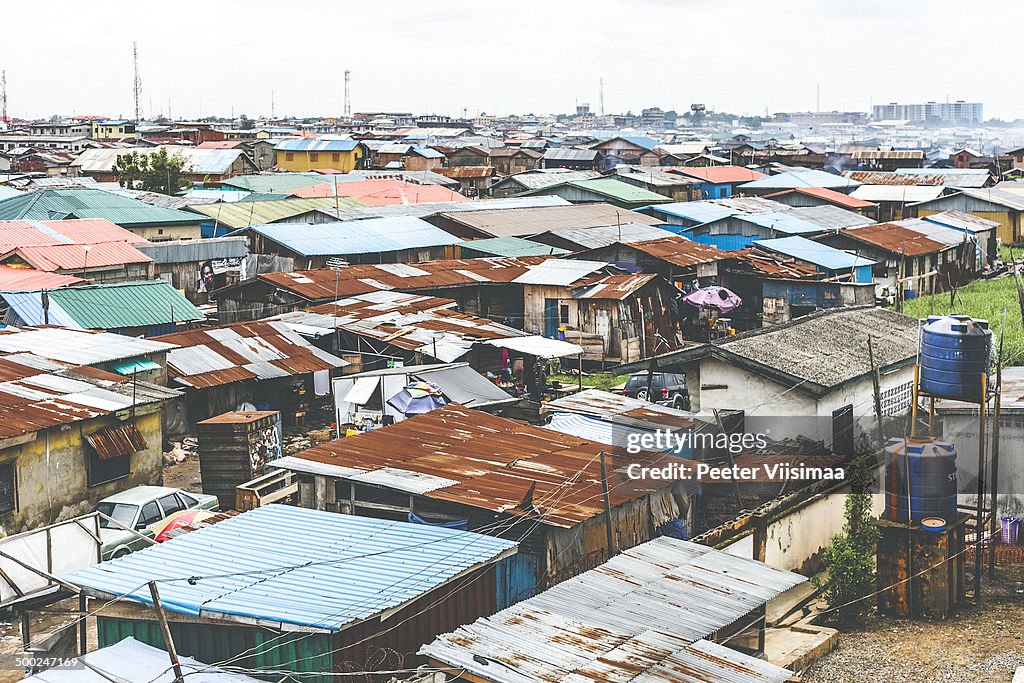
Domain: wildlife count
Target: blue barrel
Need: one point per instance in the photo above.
(920, 480)
(955, 352)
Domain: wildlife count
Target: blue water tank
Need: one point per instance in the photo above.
(955, 351)
(920, 480)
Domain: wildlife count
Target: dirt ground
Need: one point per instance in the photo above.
(980, 644)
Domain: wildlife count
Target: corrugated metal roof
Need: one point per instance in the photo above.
(36, 233)
(559, 272)
(77, 347)
(511, 246)
(569, 154)
(198, 160)
(617, 190)
(962, 221)
(720, 174)
(934, 231)
(623, 410)
(641, 616)
(681, 252)
(802, 178)
(618, 287)
(782, 221)
(605, 235)
(304, 568)
(383, 192)
(273, 182)
(77, 256)
(533, 221)
(545, 177)
(24, 279)
(316, 145)
(827, 195)
(819, 254)
(367, 236)
(107, 307)
(240, 214)
(433, 208)
(496, 461)
(896, 239)
(240, 351)
(195, 251)
(907, 194)
(326, 284)
(830, 217)
(1010, 200)
(88, 203)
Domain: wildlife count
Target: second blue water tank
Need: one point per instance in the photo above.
(955, 352)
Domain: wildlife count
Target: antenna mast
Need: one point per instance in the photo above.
(3, 96)
(600, 96)
(348, 94)
(138, 90)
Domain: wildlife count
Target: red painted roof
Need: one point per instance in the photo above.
(78, 231)
(28, 280)
(383, 192)
(55, 257)
(830, 196)
(720, 174)
(220, 144)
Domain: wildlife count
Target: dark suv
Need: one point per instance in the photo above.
(667, 389)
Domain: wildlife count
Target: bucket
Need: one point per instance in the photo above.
(1009, 528)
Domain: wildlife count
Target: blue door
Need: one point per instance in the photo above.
(551, 318)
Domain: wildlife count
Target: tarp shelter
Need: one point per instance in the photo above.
(459, 383)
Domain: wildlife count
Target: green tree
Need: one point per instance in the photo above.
(152, 172)
(246, 122)
(850, 560)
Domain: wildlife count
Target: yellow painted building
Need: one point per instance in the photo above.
(113, 130)
(304, 155)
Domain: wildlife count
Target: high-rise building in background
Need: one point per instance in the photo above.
(945, 112)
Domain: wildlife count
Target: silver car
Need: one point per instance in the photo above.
(139, 508)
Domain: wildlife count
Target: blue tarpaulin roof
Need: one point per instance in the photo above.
(700, 212)
(291, 565)
(367, 236)
(819, 254)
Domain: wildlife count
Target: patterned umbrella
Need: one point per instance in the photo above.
(417, 398)
(178, 520)
(713, 297)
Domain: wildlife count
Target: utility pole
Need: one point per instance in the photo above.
(3, 96)
(607, 508)
(166, 630)
(138, 90)
(348, 93)
(600, 96)
(271, 104)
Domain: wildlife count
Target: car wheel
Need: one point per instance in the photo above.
(642, 395)
(678, 402)
(121, 552)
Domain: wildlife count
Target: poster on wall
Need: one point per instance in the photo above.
(213, 273)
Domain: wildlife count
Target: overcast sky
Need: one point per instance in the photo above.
(740, 56)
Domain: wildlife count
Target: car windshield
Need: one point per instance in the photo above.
(122, 512)
(641, 380)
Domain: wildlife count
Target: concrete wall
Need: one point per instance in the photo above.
(51, 472)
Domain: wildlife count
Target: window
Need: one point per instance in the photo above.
(335, 157)
(150, 515)
(313, 156)
(101, 470)
(170, 504)
(289, 156)
(563, 314)
(8, 499)
(187, 501)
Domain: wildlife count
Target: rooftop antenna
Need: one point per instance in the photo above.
(600, 96)
(138, 90)
(348, 93)
(3, 96)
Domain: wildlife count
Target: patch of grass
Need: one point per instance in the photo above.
(598, 380)
(984, 299)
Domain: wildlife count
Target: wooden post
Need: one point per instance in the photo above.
(83, 625)
(979, 525)
(607, 509)
(876, 383)
(166, 630)
(994, 484)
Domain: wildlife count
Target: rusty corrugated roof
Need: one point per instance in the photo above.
(896, 239)
(112, 442)
(495, 462)
(682, 252)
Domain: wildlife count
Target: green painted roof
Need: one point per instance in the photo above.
(275, 182)
(130, 367)
(60, 204)
(511, 246)
(616, 189)
(128, 304)
(241, 214)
